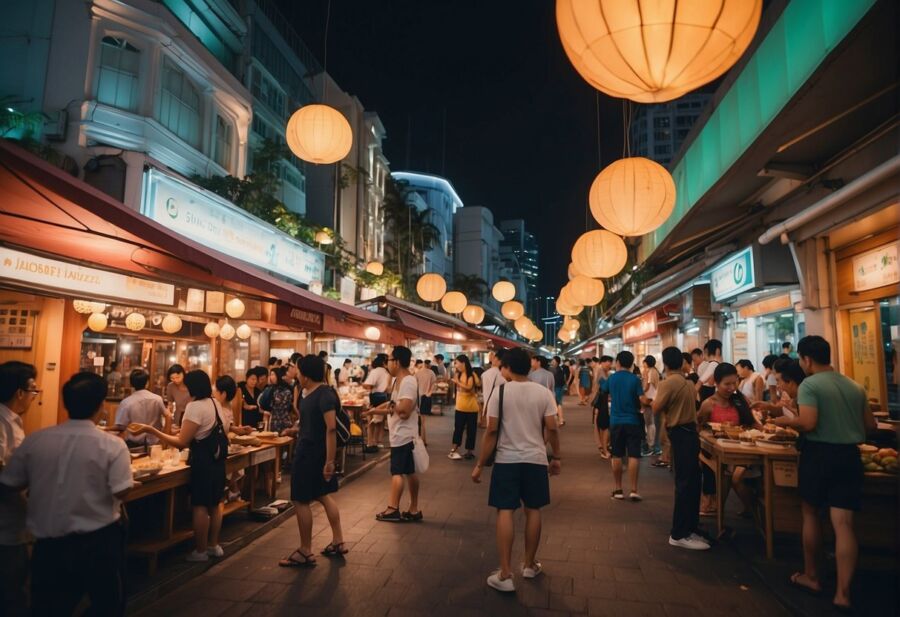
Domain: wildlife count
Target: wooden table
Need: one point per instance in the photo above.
(279, 443)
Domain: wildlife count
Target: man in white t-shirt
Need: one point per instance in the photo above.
(377, 383)
(706, 384)
(426, 379)
(491, 379)
(403, 428)
(519, 415)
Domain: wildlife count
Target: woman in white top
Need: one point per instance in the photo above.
(203, 431)
(752, 383)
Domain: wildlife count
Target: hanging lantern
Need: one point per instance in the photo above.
(652, 52)
(243, 331)
(372, 333)
(323, 237)
(375, 267)
(570, 324)
(586, 291)
(234, 308)
(211, 329)
(319, 134)
(503, 291)
(599, 254)
(98, 322)
(536, 335)
(226, 332)
(86, 307)
(473, 314)
(522, 325)
(512, 309)
(431, 287)
(171, 323)
(572, 271)
(135, 321)
(454, 302)
(564, 303)
(632, 196)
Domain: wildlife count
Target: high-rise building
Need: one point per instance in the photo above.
(658, 130)
(476, 246)
(519, 251)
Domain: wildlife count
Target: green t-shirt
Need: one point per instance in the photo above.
(841, 403)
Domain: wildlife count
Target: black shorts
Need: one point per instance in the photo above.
(830, 475)
(207, 483)
(514, 484)
(625, 440)
(402, 462)
(307, 483)
(602, 411)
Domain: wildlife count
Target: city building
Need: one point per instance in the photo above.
(519, 257)
(657, 131)
(476, 246)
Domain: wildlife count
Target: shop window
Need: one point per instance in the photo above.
(117, 81)
(179, 105)
(266, 91)
(224, 143)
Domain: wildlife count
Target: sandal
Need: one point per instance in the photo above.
(335, 550)
(390, 515)
(659, 464)
(309, 561)
(413, 517)
(795, 582)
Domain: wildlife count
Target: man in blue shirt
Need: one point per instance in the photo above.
(626, 425)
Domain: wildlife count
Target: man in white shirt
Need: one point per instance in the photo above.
(377, 383)
(519, 415)
(17, 392)
(491, 379)
(426, 380)
(706, 384)
(539, 373)
(76, 476)
(142, 406)
(403, 428)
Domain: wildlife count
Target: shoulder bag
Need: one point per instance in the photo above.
(490, 459)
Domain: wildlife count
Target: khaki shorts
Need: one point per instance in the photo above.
(376, 419)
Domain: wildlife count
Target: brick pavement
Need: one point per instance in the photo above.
(601, 557)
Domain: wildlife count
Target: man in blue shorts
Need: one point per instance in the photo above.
(625, 421)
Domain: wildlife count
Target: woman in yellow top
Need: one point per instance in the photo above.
(466, 408)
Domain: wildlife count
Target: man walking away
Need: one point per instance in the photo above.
(491, 379)
(539, 373)
(674, 403)
(426, 380)
(626, 424)
(520, 475)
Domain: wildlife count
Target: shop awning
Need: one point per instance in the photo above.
(46, 210)
(427, 329)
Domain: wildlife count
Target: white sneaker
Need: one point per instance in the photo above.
(215, 551)
(633, 496)
(198, 557)
(695, 536)
(689, 543)
(533, 571)
(501, 584)
(455, 456)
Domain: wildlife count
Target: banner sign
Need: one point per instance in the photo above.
(733, 276)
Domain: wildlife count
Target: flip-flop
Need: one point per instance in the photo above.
(335, 550)
(289, 562)
(843, 609)
(804, 588)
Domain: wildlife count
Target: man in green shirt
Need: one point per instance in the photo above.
(834, 416)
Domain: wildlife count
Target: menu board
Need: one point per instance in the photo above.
(864, 338)
(17, 326)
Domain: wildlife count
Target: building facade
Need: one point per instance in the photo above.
(657, 131)
(476, 246)
(519, 257)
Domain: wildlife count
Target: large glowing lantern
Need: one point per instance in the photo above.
(572, 272)
(632, 196)
(243, 331)
(570, 324)
(503, 291)
(375, 267)
(431, 287)
(535, 334)
(454, 302)
(319, 134)
(372, 333)
(652, 51)
(512, 309)
(226, 332)
(211, 329)
(473, 314)
(234, 308)
(599, 254)
(135, 321)
(522, 324)
(171, 323)
(586, 291)
(98, 322)
(565, 305)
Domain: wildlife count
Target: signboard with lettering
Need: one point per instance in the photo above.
(17, 325)
(294, 317)
(640, 328)
(733, 276)
(218, 224)
(81, 280)
(877, 268)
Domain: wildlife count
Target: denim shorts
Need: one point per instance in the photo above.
(514, 484)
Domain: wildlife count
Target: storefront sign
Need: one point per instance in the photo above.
(877, 268)
(81, 280)
(17, 325)
(640, 328)
(866, 369)
(767, 306)
(299, 318)
(733, 276)
(220, 225)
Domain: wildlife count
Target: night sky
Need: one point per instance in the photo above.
(521, 125)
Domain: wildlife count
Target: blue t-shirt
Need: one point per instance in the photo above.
(624, 388)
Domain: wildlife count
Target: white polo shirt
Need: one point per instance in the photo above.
(72, 472)
(12, 505)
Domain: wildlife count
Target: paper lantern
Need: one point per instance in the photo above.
(323, 237)
(586, 291)
(86, 307)
(234, 308)
(372, 333)
(375, 267)
(567, 335)
(572, 272)
(135, 321)
(536, 335)
(503, 291)
(522, 324)
(431, 287)
(599, 254)
(171, 323)
(226, 332)
(319, 134)
(473, 314)
(565, 305)
(652, 52)
(570, 324)
(243, 331)
(211, 329)
(454, 302)
(512, 309)
(632, 196)
(98, 322)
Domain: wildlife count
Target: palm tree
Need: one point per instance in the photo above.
(473, 286)
(410, 234)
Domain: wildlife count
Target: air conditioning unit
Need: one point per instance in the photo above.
(55, 128)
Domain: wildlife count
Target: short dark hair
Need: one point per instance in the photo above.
(313, 367)
(138, 378)
(650, 361)
(272, 361)
(790, 370)
(606, 358)
(713, 346)
(499, 353)
(295, 358)
(723, 370)
(323, 354)
(769, 361)
(14, 376)
(225, 384)
(348, 361)
(625, 359)
(581, 362)
(685, 356)
(815, 348)
(260, 371)
(403, 355)
(198, 384)
(558, 359)
(280, 374)
(696, 351)
(672, 358)
(440, 357)
(175, 368)
(113, 365)
(517, 360)
(83, 395)
(595, 359)
(418, 362)
(786, 344)
(745, 364)
(428, 362)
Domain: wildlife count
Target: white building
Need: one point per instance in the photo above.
(658, 130)
(476, 246)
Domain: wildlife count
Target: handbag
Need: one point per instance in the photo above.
(493, 455)
(420, 455)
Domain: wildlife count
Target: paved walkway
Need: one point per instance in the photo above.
(601, 557)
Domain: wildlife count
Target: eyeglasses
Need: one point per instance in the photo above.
(34, 390)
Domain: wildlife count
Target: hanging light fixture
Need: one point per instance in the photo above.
(211, 329)
(226, 332)
(135, 321)
(171, 323)
(632, 196)
(375, 267)
(323, 237)
(86, 307)
(454, 302)
(431, 287)
(243, 331)
(503, 291)
(234, 308)
(586, 291)
(512, 310)
(536, 335)
(473, 314)
(652, 52)
(319, 134)
(572, 271)
(599, 254)
(372, 333)
(570, 324)
(98, 322)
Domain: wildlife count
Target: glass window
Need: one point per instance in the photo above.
(117, 83)
(662, 149)
(224, 143)
(661, 122)
(179, 105)
(266, 91)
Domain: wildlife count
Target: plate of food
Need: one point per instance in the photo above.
(145, 469)
(246, 440)
(779, 434)
(266, 434)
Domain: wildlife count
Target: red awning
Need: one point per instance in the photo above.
(426, 329)
(46, 210)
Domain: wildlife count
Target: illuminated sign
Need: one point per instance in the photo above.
(733, 276)
(877, 268)
(640, 328)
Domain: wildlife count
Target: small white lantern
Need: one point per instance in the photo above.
(171, 323)
(98, 322)
(226, 332)
(372, 333)
(503, 291)
(234, 308)
(135, 321)
(512, 310)
(211, 329)
(473, 314)
(454, 302)
(243, 331)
